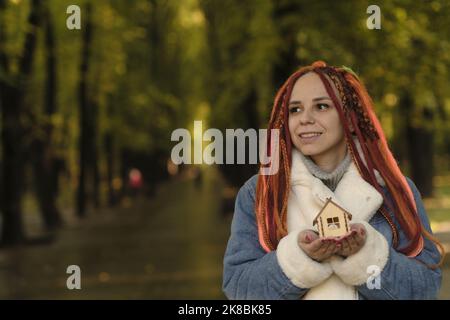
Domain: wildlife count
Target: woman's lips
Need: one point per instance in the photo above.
(309, 138)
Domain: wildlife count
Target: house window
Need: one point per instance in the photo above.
(333, 223)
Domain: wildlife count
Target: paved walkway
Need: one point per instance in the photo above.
(167, 248)
(170, 247)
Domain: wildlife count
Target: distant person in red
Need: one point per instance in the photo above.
(135, 181)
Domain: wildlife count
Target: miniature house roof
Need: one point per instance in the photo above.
(331, 203)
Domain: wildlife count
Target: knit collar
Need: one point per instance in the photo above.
(331, 179)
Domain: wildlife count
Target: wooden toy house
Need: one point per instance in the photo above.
(332, 220)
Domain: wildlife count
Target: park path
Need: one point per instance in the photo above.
(169, 247)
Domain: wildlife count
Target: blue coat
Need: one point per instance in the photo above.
(251, 273)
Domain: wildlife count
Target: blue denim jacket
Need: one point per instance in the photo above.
(251, 273)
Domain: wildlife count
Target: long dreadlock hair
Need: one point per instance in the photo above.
(356, 112)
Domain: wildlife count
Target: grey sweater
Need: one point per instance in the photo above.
(330, 179)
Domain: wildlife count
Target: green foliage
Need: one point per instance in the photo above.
(159, 65)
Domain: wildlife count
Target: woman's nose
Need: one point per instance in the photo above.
(306, 117)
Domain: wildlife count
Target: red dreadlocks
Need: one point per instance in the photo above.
(355, 112)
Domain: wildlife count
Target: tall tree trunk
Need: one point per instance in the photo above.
(124, 167)
(94, 155)
(109, 150)
(420, 137)
(236, 175)
(287, 61)
(44, 163)
(84, 118)
(413, 147)
(12, 103)
(400, 140)
(421, 151)
(12, 228)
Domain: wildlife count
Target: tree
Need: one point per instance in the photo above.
(85, 117)
(43, 158)
(12, 92)
(242, 51)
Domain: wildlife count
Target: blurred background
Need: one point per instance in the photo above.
(86, 118)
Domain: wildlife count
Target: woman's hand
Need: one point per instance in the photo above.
(320, 249)
(352, 242)
(316, 248)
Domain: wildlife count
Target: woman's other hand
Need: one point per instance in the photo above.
(317, 248)
(354, 241)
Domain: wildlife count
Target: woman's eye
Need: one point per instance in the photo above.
(323, 106)
(294, 109)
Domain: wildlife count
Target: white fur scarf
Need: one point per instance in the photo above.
(308, 195)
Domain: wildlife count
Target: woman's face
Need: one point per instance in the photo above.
(314, 123)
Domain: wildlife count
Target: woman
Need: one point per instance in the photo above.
(331, 145)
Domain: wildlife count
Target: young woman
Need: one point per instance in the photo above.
(331, 145)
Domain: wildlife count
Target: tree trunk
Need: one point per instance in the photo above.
(109, 143)
(84, 148)
(237, 174)
(12, 93)
(421, 151)
(94, 154)
(109, 150)
(287, 61)
(12, 228)
(413, 147)
(400, 140)
(43, 160)
(124, 164)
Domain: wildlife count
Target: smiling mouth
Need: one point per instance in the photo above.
(310, 135)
